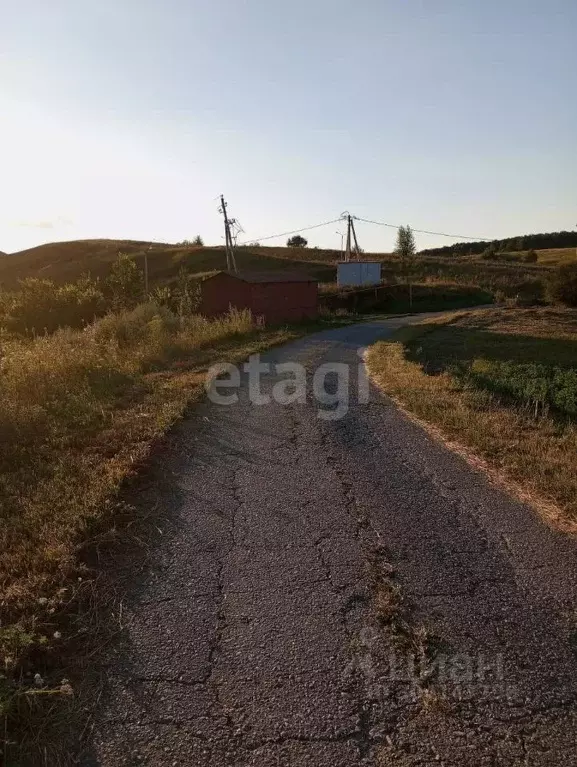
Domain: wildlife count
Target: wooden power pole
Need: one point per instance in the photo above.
(351, 231)
(229, 247)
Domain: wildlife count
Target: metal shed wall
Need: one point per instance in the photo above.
(280, 301)
(273, 301)
(359, 272)
(219, 293)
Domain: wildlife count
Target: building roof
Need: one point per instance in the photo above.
(268, 277)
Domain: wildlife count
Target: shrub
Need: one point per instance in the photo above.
(530, 292)
(129, 329)
(152, 335)
(531, 257)
(562, 285)
(489, 253)
(40, 306)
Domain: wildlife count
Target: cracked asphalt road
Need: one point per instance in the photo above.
(255, 639)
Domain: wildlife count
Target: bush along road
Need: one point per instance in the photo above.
(338, 591)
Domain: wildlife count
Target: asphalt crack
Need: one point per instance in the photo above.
(332, 551)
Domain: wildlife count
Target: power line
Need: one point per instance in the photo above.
(294, 231)
(425, 231)
(366, 221)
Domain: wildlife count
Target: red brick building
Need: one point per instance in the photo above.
(274, 296)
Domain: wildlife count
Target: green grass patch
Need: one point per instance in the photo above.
(534, 372)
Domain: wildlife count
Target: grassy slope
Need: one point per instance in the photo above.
(66, 261)
(503, 383)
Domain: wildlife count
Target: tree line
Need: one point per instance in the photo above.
(523, 242)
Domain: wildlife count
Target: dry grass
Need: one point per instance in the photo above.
(462, 374)
(71, 405)
(556, 256)
(79, 413)
(393, 611)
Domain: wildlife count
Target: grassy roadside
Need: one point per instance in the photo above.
(80, 412)
(501, 383)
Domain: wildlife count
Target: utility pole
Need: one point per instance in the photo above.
(351, 230)
(229, 247)
(146, 269)
(348, 248)
(355, 238)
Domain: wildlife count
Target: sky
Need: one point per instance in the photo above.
(128, 118)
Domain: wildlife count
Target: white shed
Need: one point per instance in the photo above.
(358, 272)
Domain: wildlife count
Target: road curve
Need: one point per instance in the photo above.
(337, 593)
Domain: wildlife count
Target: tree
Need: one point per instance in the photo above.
(125, 283)
(405, 247)
(187, 293)
(297, 242)
(406, 250)
(198, 242)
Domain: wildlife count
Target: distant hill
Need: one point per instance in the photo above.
(542, 241)
(67, 261)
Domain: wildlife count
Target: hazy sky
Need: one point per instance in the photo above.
(126, 118)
